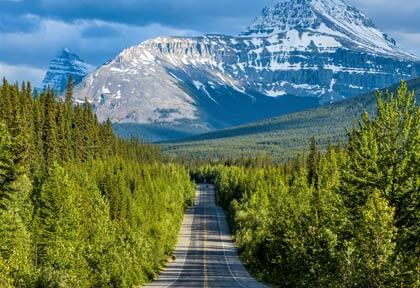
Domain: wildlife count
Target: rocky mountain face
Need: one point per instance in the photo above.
(64, 65)
(297, 54)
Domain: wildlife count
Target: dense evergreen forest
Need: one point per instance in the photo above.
(78, 206)
(347, 217)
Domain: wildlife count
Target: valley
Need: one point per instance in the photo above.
(285, 137)
(283, 62)
(278, 152)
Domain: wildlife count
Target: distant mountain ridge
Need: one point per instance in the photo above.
(285, 136)
(61, 67)
(298, 54)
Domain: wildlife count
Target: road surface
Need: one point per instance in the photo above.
(205, 254)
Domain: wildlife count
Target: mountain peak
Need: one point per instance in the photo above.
(304, 52)
(61, 67)
(333, 20)
(305, 14)
(65, 51)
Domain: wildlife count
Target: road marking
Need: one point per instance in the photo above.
(224, 252)
(184, 259)
(206, 279)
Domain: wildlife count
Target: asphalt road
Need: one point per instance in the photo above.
(205, 254)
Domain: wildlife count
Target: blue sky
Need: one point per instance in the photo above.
(33, 31)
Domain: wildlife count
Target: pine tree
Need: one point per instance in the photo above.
(6, 102)
(8, 172)
(15, 215)
(67, 125)
(98, 230)
(107, 136)
(59, 236)
(384, 156)
(29, 126)
(90, 133)
(20, 129)
(69, 92)
(374, 238)
(38, 144)
(49, 133)
(6, 279)
(313, 160)
(64, 134)
(55, 224)
(327, 223)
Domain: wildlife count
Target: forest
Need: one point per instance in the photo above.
(80, 207)
(346, 217)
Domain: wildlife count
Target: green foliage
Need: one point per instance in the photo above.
(6, 279)
(15, 214)
(284, 137)
(146, 203)
(313, 160)
(374, 240)
(385, 157)
(343, 218)
(59, 242)
(7, 168)
(78, 206)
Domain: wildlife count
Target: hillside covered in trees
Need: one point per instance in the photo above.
(282, 137)
(347, 217)
(78, 206)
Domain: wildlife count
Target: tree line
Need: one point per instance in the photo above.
(78, 206)
(347, 217)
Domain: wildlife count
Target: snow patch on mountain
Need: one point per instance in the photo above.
(328, 23)
(319, 49)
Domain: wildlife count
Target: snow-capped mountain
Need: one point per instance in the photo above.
(331, 24)
(64, 65)
(297, 54)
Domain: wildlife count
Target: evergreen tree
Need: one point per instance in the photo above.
(384, 156)
(313, 160)
(37, 165)
(6, 102)
(108, 229)
(50, 129)
(15, 215)
(8, 172)
(69, 92)
(59, 240)
(98, 232)
(19, 130)
(68, 119)
(374, 239)
(6, 279)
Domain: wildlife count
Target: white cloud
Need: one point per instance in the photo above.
(34, 50)
(25, 56)
(22, 73)
(39, 47)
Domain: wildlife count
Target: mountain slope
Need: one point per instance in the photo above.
(64, 65)
(285, 136)
(308, 52)
(339, 25)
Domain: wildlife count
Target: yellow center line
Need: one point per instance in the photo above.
(206, 280)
